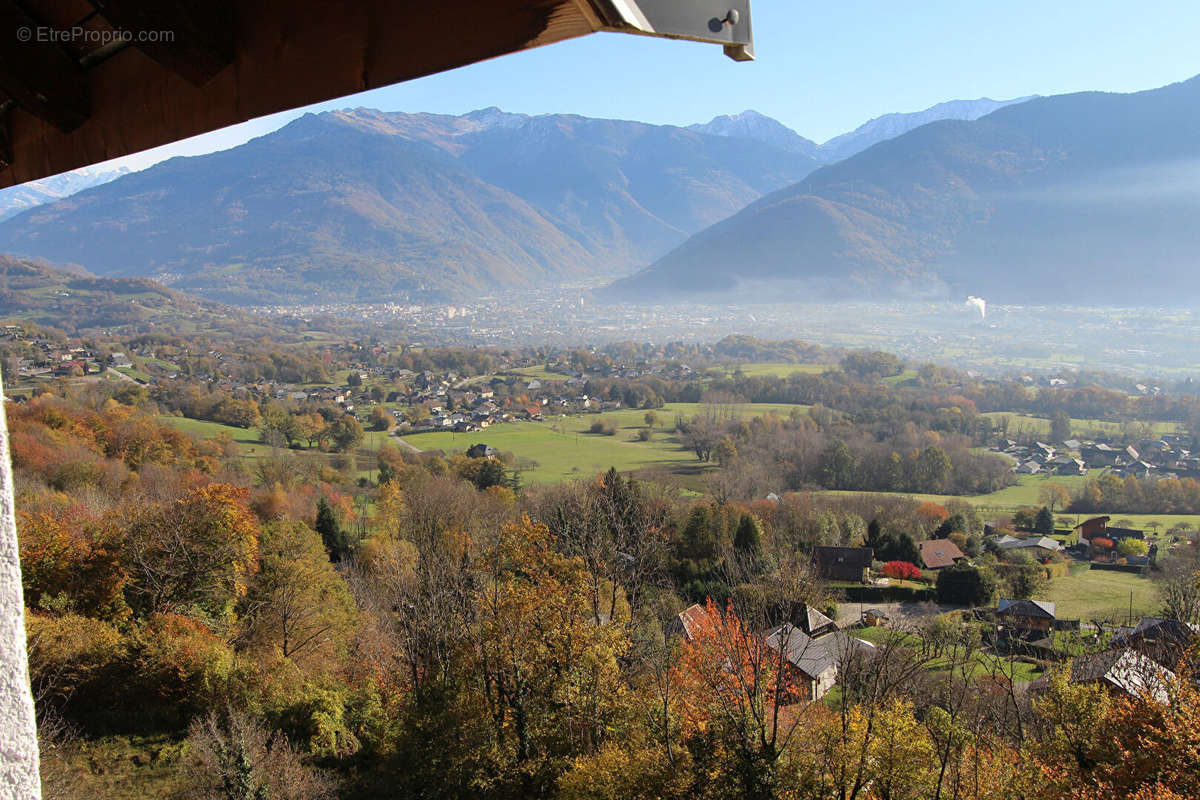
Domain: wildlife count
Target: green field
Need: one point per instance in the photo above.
(778, 369)
(1079, 427)
(539, 372)
(984, 664)
(1023, 493)
(245, 438)
(1026, 493)
(252, 448)
(564, 449)
(1102, 595)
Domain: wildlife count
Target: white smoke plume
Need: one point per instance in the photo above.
(979, 303)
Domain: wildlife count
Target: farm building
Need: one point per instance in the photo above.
(1039, 547)
(874, 617)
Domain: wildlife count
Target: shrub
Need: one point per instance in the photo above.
(74, 658)
(184, 663)
(1132, 547)
(235, 755)
(966, 585)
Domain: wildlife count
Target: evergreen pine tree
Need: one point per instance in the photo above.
(331, 533)
(747, 540)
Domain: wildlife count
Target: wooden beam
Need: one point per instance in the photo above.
(38, 73)
(289, 53)
(193, 38)
(6, 148)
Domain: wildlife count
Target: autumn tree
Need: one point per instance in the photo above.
(346, 433)
(197, 552)
(1054, 496)
(297, 605)
(548, 673)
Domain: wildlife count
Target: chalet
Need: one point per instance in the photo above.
(1030, 467)
(843, 563)
(1067, 465)
(1098, 527)
(481, 451)
(939, 553)
(1091, 528)
(811, 663)
(1026, 616)
(119, 360)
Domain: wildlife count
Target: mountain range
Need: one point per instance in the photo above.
(1088, 197)
(753, 125)
(16, 199)
(362, 204)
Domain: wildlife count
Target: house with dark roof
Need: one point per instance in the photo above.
(1026, 616)
(843, 563)
(939, 553)
(1092, 527)
(811, 663)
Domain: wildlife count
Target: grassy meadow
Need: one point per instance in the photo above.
(778, 369)
(1102, 595)
(1079, 427)
(563, 448)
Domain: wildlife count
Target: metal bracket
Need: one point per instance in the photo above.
(724, 22)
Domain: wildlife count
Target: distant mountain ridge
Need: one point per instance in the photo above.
(367, 205)
(889, 126)
(750, 124)
(1088, 197)
(15, 199)
(76, 302)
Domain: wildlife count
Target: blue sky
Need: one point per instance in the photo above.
(822, 68)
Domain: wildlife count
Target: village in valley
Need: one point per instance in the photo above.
(963, 563)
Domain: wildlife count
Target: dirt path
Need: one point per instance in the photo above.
(407, 444)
